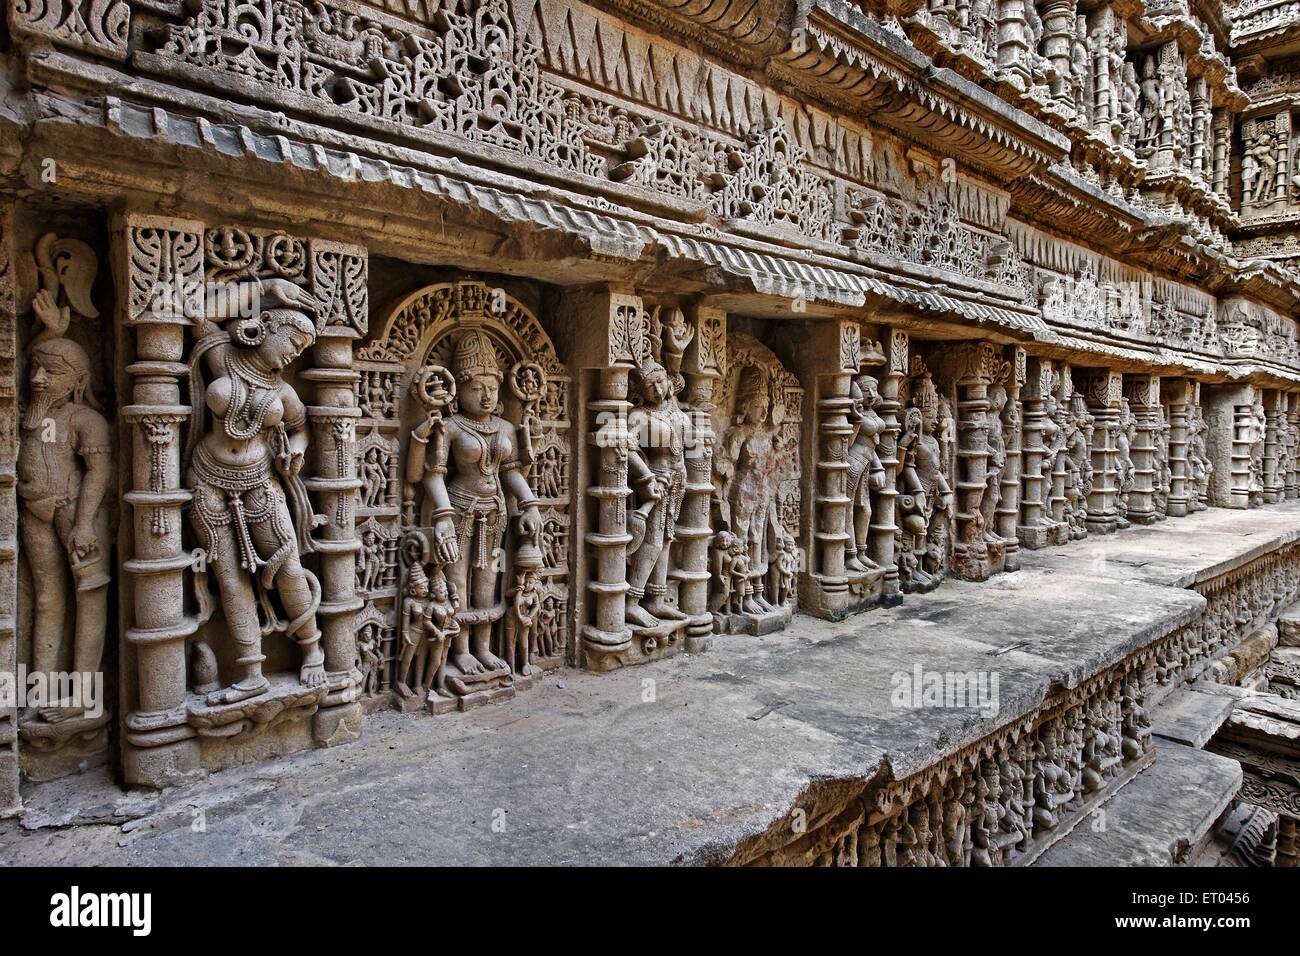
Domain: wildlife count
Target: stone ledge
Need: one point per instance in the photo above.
(1160, 818)
(651, 765)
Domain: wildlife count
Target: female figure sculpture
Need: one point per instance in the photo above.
(864, 461)
(747, 464)
(250, 508)
(471, 474)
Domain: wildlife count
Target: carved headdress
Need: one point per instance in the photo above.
(474, 356)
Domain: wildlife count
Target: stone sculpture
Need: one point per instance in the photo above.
(65, 478)
(477, 505)
(251, 512)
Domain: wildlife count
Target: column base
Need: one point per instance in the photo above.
(166, 765)
(831, 600)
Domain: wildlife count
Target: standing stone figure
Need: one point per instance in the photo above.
(999, 410)
(657, 473)
(470, 474)
(925, 497)
(1125, 433)
(251, 511)
(64, 472)
(866, 472)
(748, 468)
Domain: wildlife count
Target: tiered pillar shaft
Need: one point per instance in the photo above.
(335, 484)
(702, 366)
(1035, 485)
(1143, 393)
(1177, 396)
(883, 515)
(158, 265)
(1008, 510)
(1102, 392)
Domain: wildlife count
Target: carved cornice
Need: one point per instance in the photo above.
(843, 55)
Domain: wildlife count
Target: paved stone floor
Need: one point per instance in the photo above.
(676, 761)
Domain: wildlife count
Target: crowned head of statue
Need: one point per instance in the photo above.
(478, 375)
(753, 397)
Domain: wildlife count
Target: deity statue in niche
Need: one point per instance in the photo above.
(1130, 98)
(471, 466)
(1078, 465)
(1001, 420)
(866, 473)
(251, 511)
(746, 466)
(1148, 136)
(64, 471)
(753, 465)
(1125, 433)
(1162, 478)
(1200, 467)
(657, 474)
(925, 497)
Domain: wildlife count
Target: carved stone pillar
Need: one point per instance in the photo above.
(1243, 437)
(1102, 390)
(703, 364)
(1013, 43)
(1177, 394)
(884, 517)
(1274, 466)
(1292, 458)
(9, 801)
(335, 484)
(971, 368)
(158, 267)
(1143, 394)
(1059, 531)
(1008, 509)
(612, 332)
(1058, 31)
(1199, 158)
(1032, 530)
(824, 586)
(1222, 134)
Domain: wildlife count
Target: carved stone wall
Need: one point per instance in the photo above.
(786, 310)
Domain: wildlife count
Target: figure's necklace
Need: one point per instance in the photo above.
(489, 427)
(241, 422)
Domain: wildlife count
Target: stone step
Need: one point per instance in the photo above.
(1192, 715)
(1161, 818)
(1288, 626)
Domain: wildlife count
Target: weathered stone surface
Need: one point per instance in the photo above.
(1191, 716)
(730, 743)
(1160, 819)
